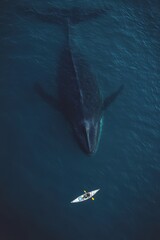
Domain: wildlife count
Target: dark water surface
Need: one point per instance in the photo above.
(42, 167)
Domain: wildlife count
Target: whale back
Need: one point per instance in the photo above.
(77, 88)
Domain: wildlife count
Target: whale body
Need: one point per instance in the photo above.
(80, 99)
(79, 96)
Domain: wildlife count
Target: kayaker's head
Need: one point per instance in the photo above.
(88, 134)
(86, 195)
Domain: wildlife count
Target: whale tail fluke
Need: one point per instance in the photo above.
(59, 16)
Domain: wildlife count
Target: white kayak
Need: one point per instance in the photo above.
(83, 198)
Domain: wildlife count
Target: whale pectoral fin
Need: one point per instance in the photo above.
(112, 97)
(47, 97)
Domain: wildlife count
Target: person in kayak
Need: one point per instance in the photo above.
(86, 195)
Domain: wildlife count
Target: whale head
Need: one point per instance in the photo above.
(88, 134)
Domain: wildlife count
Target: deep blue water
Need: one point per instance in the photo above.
(42, 167)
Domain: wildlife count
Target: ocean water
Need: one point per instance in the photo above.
(42, 168)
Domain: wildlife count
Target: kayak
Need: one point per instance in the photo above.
(81, 198)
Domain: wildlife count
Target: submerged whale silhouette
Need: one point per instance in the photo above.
(79, 96)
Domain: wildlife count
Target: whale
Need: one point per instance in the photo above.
(81, 100)
(79, 97)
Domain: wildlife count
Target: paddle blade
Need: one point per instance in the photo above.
(93, 198)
